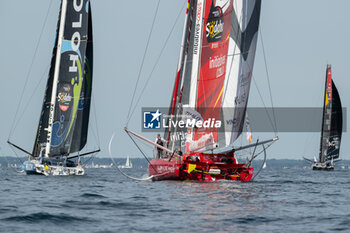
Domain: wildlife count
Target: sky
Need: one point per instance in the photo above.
(300, 38)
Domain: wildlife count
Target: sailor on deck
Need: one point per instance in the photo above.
(179, 152)
(160, 141)
(41, 156)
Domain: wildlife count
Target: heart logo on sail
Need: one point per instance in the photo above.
(64, 97)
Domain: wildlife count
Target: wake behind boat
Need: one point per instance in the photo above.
(332, 124)
(64, 119)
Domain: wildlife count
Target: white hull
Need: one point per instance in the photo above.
(128, 164)
(34, 167)
(322, 166)
(124, 166)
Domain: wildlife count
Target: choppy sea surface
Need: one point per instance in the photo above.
(279, 200)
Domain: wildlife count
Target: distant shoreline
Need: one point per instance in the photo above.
(10, 161)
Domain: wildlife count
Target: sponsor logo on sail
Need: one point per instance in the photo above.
(76, 37)
(216, 61)
(198, 28)
(215, 25)
(196, 39)
(64, 98)
(64, 95)
(50, 124)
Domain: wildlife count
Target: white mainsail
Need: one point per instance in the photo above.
(240, 62)
(128, 163)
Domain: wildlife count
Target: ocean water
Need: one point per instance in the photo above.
(279, 200)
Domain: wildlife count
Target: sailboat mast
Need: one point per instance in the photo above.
(55, 78)
(174, 100)
(196, 52)
(180, 67)
(321, 158)
(196, 60)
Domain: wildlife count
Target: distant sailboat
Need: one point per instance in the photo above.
(64, 119)
(332, 124)
(128, 163)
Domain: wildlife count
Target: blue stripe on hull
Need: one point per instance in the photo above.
(29, 168)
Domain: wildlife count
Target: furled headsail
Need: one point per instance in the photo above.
(63, 125)
(215, 68)
(332, 121)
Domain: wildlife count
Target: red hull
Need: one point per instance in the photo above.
(200, 167)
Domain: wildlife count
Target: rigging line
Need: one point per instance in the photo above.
(95, 115)
(268, 79)
(146, 144)
(142, 62)
(92, 130)
(14, 151)
(267, 146)
(262, 165)
(30, 67)
(141, 152)
(261, 98)
(8, 162)
(263, 102)
(88, 160)
(157, 60)
(117, 167)
(28, 102)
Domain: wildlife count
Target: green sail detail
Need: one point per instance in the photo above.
(76, 92)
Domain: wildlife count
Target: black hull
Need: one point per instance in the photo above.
(33, 173)
(323, 169)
